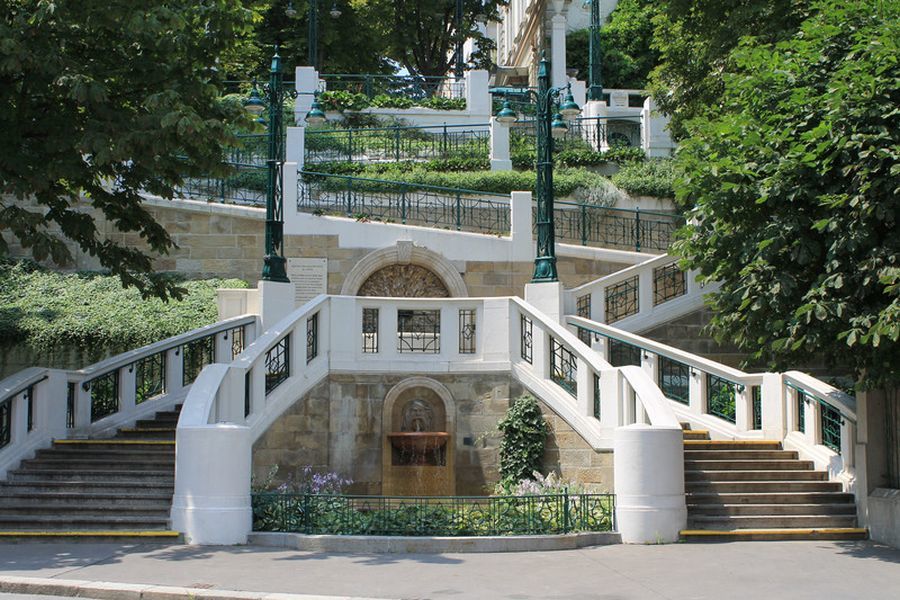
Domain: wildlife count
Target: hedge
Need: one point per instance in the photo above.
(45, 309)
(655, 177)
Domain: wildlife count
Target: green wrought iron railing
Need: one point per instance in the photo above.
(831, 418)
(381, 144)
(403, 202)
(433, 515)
(246, 185)
(408, 86)
(585, 133)
(592, 225)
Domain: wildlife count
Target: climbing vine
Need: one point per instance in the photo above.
(522, 447)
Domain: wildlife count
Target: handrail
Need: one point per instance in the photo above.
(127, 358)
(398, 128)
(623, 274)
(418, 186)
(21, 381)
(831, 396)
(704, 364)
(655, 404)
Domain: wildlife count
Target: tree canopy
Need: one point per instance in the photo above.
(103, 100)
(794, 178)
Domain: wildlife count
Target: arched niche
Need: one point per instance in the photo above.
(427, 273)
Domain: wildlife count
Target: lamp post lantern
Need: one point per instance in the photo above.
(272, 99)
(550, 121)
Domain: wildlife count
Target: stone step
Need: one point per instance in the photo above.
(135, 433)
(756, 475)
(747, 465)
(773, 534)
(731, 445)
(123, 536)
(99, 464)
(62, 499)
(87, 487)
(166, 415)
(70, 522)
(124, 453)
(159, 510)
(761, 486)
(112, 444)
(690, 454)
(168, 422)
(770, 521)
(696, 434)
(770, 498)
(771, 509)
(40, 475)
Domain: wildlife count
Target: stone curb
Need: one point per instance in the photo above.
(372, 544)
(104, 590)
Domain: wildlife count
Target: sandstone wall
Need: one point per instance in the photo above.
(338, 427)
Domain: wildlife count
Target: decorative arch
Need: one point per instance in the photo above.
(420, 382)
(405, 253)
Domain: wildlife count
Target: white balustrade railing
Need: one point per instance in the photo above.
(639, 297)
(805, 413)
(38, 405)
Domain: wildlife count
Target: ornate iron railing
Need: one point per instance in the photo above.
(381, 144)
(433, 515)
(370, 330)
(674, 379)
(527, 339)
(584, 133)
(5, 422)
(592, 225)
(409, 86)
(312, 337)
(720, 397)
(622, 354)
(246, 185)
(150, 377)
(278, 364)
(563, 367)
(669, 282)
(467, 331)
(756, 397)
(403, 202)
(104, 395)
(419, 331)
(622, 300)
(197, 354)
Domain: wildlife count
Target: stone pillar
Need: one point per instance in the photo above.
(655, 138)
(547, 297)
(478, 98)
(597, 110)
(306, 84)
(558, 50)
(500, 159)
(295, 144)
(276, 301)
(520, 226)
(649, 484)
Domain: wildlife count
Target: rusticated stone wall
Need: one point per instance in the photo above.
(224, 241)
(338, 427)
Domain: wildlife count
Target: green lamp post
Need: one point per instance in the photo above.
(550, 117)
(595, 81)
(272, 98)
(313, 42)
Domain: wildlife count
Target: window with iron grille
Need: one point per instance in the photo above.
(195, 356)
(622, 300)
(150, 377)
(5, 422)
(312, 337)
(70, 405)
(29, 408)
(674, 380)
(801, 411)
(237, 341)
(622, 353)
(370, 330)
(467, 331)
(720, 400)
(668, 282)
(104, 395)
(756, 397)
(526, 339)
(830, 419)
(247, 395)
(563, 367)
(419, 331)
(278, 363)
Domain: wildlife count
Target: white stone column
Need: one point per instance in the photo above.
(500, 158)
(306, 82)
(655, 138)
(294, 146)
(597, 110)
(520, 226)
(547, 297)
(478, 97)
(558, 50)
(276, 301)
(649, 484)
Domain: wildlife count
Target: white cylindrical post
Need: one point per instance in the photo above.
(649, 483)
(558, 51)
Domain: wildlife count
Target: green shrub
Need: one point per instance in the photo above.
(522, 447)
(580, 158)
(385, 101)
(439, 103)
(343, 100)
(654, 177)
(90, 310)
(624, 154)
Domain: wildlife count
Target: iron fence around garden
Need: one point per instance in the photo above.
(585, 133)
(382, 144)
(244, 185)
(433, 515)
(402, 202)
(407, 86)
(592, 225)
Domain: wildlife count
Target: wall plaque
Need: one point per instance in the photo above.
(309, 276)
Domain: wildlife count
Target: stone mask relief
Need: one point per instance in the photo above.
(418, 416)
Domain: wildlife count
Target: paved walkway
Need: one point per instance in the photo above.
(796, 570)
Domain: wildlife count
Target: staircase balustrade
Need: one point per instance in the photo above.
(38, 405)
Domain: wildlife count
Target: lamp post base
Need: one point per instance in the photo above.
(274, 269)
(544, 270)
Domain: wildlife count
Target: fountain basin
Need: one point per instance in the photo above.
(417, 442)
